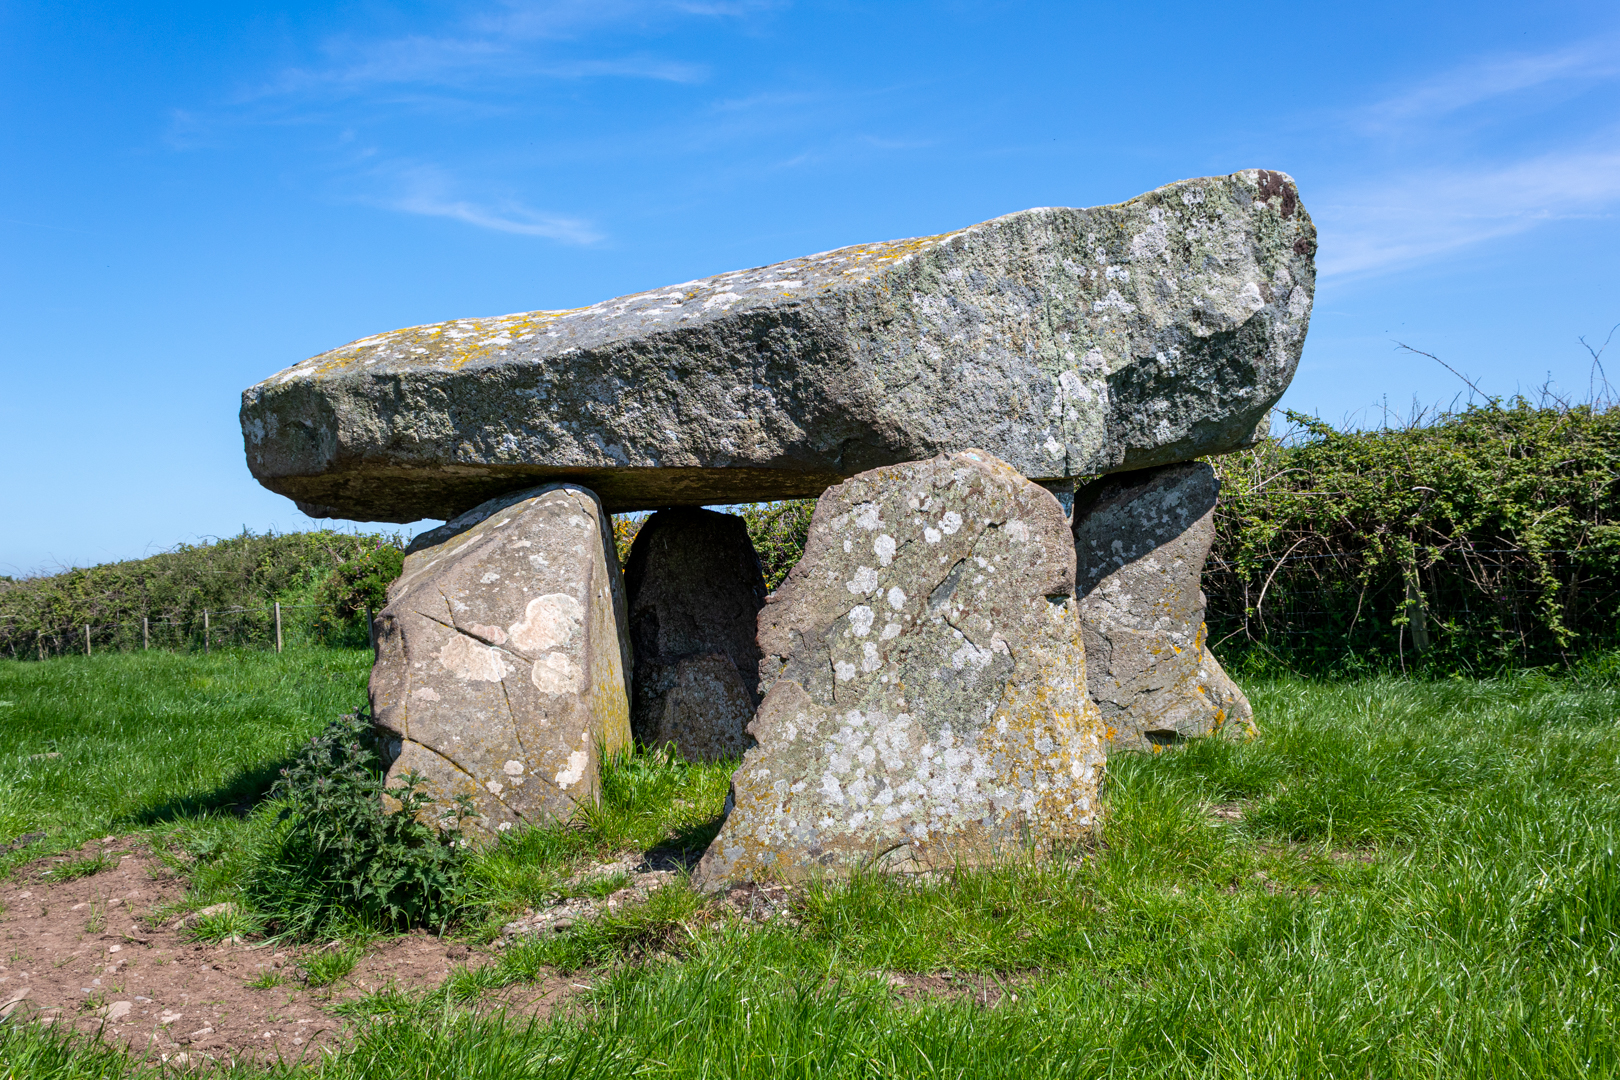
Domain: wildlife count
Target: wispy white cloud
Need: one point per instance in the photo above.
(513, 41)
(1422, 213)
(1485, 80)
(1471, 155)
(432, 192)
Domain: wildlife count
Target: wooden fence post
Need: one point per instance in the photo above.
(146, 634)
(1417, 612)
(278, 626)
(205, 631)
(87, 639)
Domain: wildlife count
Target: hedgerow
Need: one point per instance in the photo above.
(1474, 539)
(237, 578)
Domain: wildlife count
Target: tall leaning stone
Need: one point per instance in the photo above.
(1067, 342)
(1141, 539)
(695, 589)
(502, 665)
(925, 678)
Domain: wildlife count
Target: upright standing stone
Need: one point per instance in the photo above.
(926, 701)
(695, 589)
(1141, 539)
(502, 666)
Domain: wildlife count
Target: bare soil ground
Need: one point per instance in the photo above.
(90, 953)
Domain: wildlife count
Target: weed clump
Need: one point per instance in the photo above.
(337, 860)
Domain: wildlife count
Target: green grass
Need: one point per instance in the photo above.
(176, 742)
(74, 869)
(1404, 879)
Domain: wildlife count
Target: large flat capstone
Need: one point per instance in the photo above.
(1141, 539)
(926, 701)
(502, 664)
(1067, 342)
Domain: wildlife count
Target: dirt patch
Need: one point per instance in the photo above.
(87, 954)
(985, 991)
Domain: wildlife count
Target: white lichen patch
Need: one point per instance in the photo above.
(574, 771)
(472, 660)
(548, 622)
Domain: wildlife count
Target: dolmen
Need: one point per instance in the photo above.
(1002, 426)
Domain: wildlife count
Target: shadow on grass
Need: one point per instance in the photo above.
(238, 795)
(683, 849)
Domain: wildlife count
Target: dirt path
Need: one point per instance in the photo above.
(87, 953)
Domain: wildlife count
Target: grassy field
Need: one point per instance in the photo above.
(1399, 879)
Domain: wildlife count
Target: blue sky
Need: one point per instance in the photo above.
(194, 196)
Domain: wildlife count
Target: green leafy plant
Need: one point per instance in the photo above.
(778, 530)
(355, 586)
(337, 857)
(1477, 539)
(268, 979)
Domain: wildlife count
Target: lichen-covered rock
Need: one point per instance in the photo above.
(1141, 539)
(925, 677)
(695, 589)
(1067, 342)
(705, 711)
(502, 663)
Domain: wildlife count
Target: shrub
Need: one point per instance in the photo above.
(1490, 535)
(355, 586)
(237, 578)
(779, 530)
(336, 857)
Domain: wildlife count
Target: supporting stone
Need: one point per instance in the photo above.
(925, 678)
(695, 590)
(503, 667)
(1141, 539)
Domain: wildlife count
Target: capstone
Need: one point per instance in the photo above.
(1141, 540)
(502, 664)
(1068, 342)
(925, 697)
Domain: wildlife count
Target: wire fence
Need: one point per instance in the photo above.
(273, 626)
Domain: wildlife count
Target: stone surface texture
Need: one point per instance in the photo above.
(706, 711)
(1141, 539)
(925, 679)
(1068, 342)
(695, 589)
(502, 664)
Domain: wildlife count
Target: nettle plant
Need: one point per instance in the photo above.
(338, 858)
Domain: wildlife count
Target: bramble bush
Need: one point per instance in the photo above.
(1470, 540)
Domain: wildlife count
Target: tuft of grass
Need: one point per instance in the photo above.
(74, 869)
(323, 967)
(231, 924)
(268, 979)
